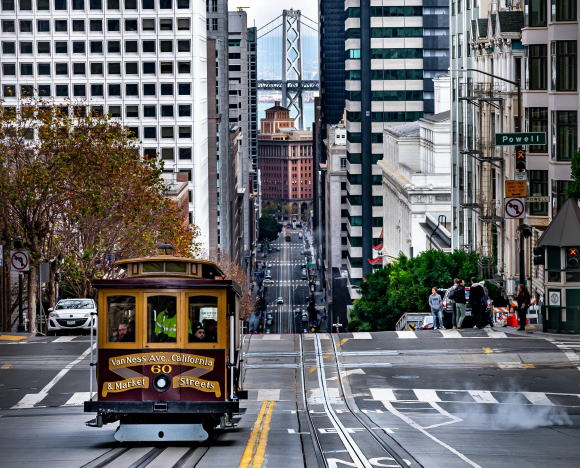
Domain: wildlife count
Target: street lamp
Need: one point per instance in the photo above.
(518, 85)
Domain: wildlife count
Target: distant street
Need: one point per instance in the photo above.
(471, 398)
(286, 268)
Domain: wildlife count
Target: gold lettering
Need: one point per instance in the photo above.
(198, 384)
(189, 360)
(126, 384)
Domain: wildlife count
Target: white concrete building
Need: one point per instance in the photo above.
(416, 187)
(142, 62)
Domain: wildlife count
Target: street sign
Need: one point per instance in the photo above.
(19, 260)
(538, 199)
(515, 188)
(522, 175)
(529, 138)
(514, 208)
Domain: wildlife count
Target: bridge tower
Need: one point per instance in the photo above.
(292, 63)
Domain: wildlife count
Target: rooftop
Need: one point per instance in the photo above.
(410, 129)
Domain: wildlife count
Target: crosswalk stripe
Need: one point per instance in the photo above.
(362, 336)
(78, 399)
(383, 394)
(30, 400)
(482, 396)
(427, 395)
(450, 334)
(270, 337)
(494, 334)
(268, 394)
(538, 398)
(406, 334)
(64, 339)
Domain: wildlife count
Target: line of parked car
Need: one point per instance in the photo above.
(72, 314)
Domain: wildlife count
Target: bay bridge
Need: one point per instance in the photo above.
(291, 83)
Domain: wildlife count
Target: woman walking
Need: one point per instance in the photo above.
(523, 299)
(435, 304)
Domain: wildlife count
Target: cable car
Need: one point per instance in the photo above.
(167, 362)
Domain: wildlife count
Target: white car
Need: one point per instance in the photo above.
(280, 301)
(268, 281)
(72, 314)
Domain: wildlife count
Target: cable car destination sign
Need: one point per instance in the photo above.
(528, 138)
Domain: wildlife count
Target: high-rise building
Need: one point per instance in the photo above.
(141, 62)
(386, 55)
(243, 114)
(217, 29)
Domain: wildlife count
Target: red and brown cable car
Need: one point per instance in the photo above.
(167, 361)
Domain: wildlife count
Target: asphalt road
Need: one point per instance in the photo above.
(473, 398)
(288, 284)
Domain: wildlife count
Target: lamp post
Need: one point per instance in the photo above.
(521, 227)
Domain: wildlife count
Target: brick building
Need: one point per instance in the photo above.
(285, 160)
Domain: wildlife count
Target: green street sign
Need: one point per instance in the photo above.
(530, 138)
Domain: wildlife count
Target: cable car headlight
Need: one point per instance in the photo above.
(161, 382)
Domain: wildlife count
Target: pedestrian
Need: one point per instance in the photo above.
(523, 299)
(460, 303)
(435, 304)
(476, 294)
(451, 302)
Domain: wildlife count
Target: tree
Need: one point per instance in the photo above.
(574, 188)
(76, 191)
(404, 286)
(234, 271)
(268, 229)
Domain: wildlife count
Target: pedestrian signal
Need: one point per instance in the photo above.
(573, 257)
(539, 256)
(520, 160)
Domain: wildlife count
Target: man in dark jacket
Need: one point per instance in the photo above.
(476, 293)
(460, 303)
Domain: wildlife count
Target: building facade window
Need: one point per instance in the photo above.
(564, 134)
(564, 71)
(537, 121)
(538, 188)
(536, 13)
(564, 10)
(538, 66)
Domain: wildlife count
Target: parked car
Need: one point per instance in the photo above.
(280, 301)
(268, 281)
(72, 314)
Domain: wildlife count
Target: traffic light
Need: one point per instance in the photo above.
(520, 160)
(573, 257)
(539, 256)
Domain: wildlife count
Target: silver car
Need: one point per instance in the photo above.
(72, 314)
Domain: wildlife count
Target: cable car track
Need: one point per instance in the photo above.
(157, 456)
(387, 447)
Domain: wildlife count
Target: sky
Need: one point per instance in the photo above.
(263, 11)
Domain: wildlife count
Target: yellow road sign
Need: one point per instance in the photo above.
(515, 188)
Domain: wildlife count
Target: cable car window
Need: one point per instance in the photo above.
(121, 318)
(203, 315)
(162, 319)
(175, 267)
(152, 267)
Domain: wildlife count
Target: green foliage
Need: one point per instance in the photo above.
(405, 285)
(574, 188)
(268, 228)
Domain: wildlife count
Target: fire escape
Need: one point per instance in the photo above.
(487, 101)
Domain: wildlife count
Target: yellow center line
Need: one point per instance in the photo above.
(6, 366)
(487, 350)
(255, 450)
(12, 337)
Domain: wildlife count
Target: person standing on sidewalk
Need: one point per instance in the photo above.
(460, 303)
(476, 294)
(451, 302)
(523, 299)
(435, 304)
